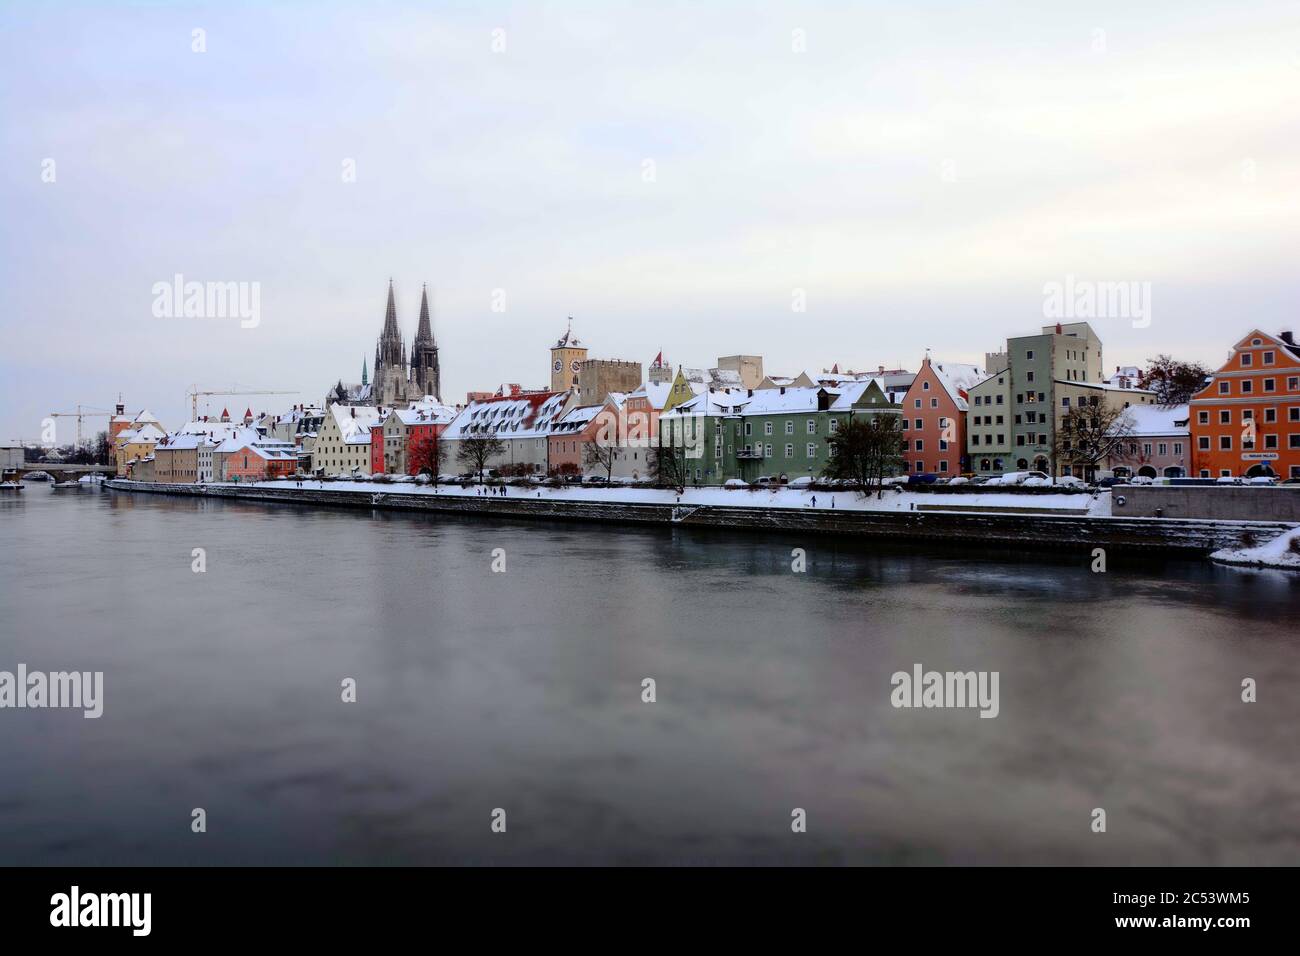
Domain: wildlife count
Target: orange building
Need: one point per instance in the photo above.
(934, 418)
(1246, 422)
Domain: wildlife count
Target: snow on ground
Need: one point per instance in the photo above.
(1282, 552)
(1097, 505)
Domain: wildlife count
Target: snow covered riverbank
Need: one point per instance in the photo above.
(1090, 505)
(1281, 552)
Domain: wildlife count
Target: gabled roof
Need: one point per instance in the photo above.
(524, 416)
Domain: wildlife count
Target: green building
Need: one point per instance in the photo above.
(778, 433)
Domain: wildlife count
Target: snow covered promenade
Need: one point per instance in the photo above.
(1046, 521)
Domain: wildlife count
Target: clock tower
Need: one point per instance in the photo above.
(567, 356)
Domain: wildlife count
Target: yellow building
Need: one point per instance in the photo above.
(567, 356)
(136, 444)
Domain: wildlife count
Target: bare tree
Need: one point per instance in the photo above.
(1173, 382)
(865, 451)
(476, 451)
(596, 454)
(1089, 434)
(428, 453)
(668, 466)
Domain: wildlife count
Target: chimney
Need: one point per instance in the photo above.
(1058, 328)
(1287, 337)
(782, 389)
(121, 409)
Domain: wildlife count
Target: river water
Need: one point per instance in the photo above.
(522, 691)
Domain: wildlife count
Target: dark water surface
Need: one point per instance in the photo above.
(522, 691)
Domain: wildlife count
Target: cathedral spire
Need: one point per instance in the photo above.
(390, 317)
(365, 380)
(424, 332)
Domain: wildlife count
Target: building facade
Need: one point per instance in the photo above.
(1246, 421)
(934, 418)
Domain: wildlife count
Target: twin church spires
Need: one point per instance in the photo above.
(397, 380)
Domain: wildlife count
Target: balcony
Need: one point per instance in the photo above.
(749, 454)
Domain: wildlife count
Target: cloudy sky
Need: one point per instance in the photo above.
(669, 174)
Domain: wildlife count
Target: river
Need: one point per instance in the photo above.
(522, 691)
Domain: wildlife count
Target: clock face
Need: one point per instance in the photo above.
(558, 365)
(574, 366)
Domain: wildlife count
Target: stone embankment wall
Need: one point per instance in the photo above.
(1213, 502)
(978, 530)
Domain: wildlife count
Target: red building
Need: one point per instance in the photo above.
(934, 418)
(1246, 422)
(258, 461)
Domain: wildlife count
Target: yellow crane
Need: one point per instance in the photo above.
(79, 414)
(195, 392)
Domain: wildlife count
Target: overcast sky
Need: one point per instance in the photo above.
(920, 170)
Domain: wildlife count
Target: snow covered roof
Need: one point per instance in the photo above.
(526, 416)
(1158, 419)
(576, 420)
(656, 393)
(355, 421)
(144, 433)
(957, 379)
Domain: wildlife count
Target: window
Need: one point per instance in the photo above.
(1029, 355)
(1270, 415)
(748, 429)
(1268, 358)
(1293, 442)
(1293, 383)
(920, 444)
(789, 426)
(767, 428)
(1293, 413)
(916, 403)
(1029, 376)
(1225, 443)
(1247, 386)
(999, 400)
(925, 386)
(767, 451)
(1247, 359)
(1270, 441)
(1270, 384)
(1065, 402)
(812, 450)
(920, 466)
(1225, 417)
(919, 424)
(1223, 387)
(1178, 448)
(834, 424)
(1203, 442)
(943, 465)
(1203, 418)
(1162, 449)
(905, 424)
(789, 451)
(812, 426)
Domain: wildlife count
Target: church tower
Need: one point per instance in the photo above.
(424, 355)
(567, 355)
(392, 377)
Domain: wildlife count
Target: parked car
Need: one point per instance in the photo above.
(960, 480)
(1261, 480)
(735, 483)
(1230, 480)
(924, 479)
(1070, 481)
(595, 479)
(803, 481)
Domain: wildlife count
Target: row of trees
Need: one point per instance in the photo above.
(93, 452)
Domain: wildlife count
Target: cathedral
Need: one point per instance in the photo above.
(400, 378)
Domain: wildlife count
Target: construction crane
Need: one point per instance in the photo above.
(79, 414)
(195, 392)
